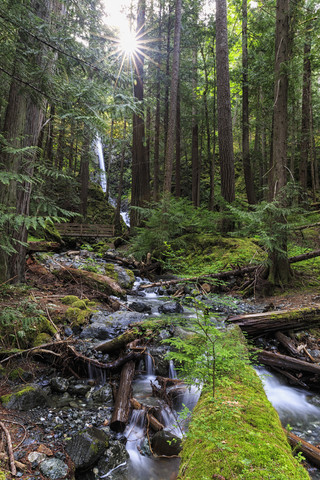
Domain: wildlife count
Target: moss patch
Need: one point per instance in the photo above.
(69, 299)
(238, 435)
(42, 338)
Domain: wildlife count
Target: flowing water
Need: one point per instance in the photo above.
(295, 408)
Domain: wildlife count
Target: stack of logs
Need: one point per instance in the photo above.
(297, 364)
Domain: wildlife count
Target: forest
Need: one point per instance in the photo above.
(178, 142)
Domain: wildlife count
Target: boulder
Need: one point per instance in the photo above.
(26, 398)
(87, 447)
(165, 443)
(59, 384)
(170, 307)
(53, 468)
(140, 307)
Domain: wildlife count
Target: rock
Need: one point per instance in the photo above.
(79, 389)
(103, 395)
(170, 307)
(140, 307)
(26, 398)
(87, 447)
(54, 468)
(59, 384)
(117, 458)
(98, 331)
(161, 363)
(36, 458)
(165, 443)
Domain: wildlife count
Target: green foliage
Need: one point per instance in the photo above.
(269, 223)
(19, 323)
(165, 221)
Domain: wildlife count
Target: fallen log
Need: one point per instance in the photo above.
(292, 379)
(287, 343)
(122, 405)
(154, 423)
(310, 452)
(117, 343)
(230, 273)
(93, 280)
(43, 247)
(287, 363)
(261, 323)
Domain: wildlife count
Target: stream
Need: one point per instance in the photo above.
(296, 407)
(80, 404)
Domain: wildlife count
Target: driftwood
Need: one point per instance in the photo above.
(117, 343)
(10, 449)
(152, 421)
(122, 405)
(287, 343)
(287, 363)
(93, 280)
(292, 379)
(260, 323)
(239, 272)
(310, 452)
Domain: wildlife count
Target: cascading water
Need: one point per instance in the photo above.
(294, 408)
(98, 148)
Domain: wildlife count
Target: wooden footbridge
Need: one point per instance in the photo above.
(84, 230)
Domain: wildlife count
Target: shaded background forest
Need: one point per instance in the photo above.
(66, 81)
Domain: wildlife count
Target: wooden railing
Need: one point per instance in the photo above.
(84, 230)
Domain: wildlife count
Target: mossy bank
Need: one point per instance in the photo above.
(238, 435)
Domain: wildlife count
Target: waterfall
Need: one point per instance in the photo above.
(99, 152)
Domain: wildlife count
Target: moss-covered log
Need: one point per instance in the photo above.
(261, 323)
(238, 434)
(102, 283)
(117, 343)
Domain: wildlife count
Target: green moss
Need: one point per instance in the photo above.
(131, 275)
(5, 399)
(80, 304)
(46, 327)
(51, 234)
(2, 475)
(69, 299)
(238, 435)
(98, 208)
(42, 338)
(110, 271)
(77, 316)
(16, 373)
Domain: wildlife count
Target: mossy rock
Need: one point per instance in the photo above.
(26, 398)
(77, 316)
(79, 304)
(41, 339)
(69, 299)
(46, 327)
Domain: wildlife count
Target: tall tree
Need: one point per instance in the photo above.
(140, 192)
(245, 109)
(23, 122)
(225, 135)
(279, 271)
(173, 100)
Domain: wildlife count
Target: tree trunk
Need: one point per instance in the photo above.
(305, 115)
(173, 100)
(140, 191)
(117, 216)
(245, 109)
(279, 271)
(195, 162)
(22, 125)
(178, 148)
(224, 105)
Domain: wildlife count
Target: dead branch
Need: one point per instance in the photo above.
(10, 449)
